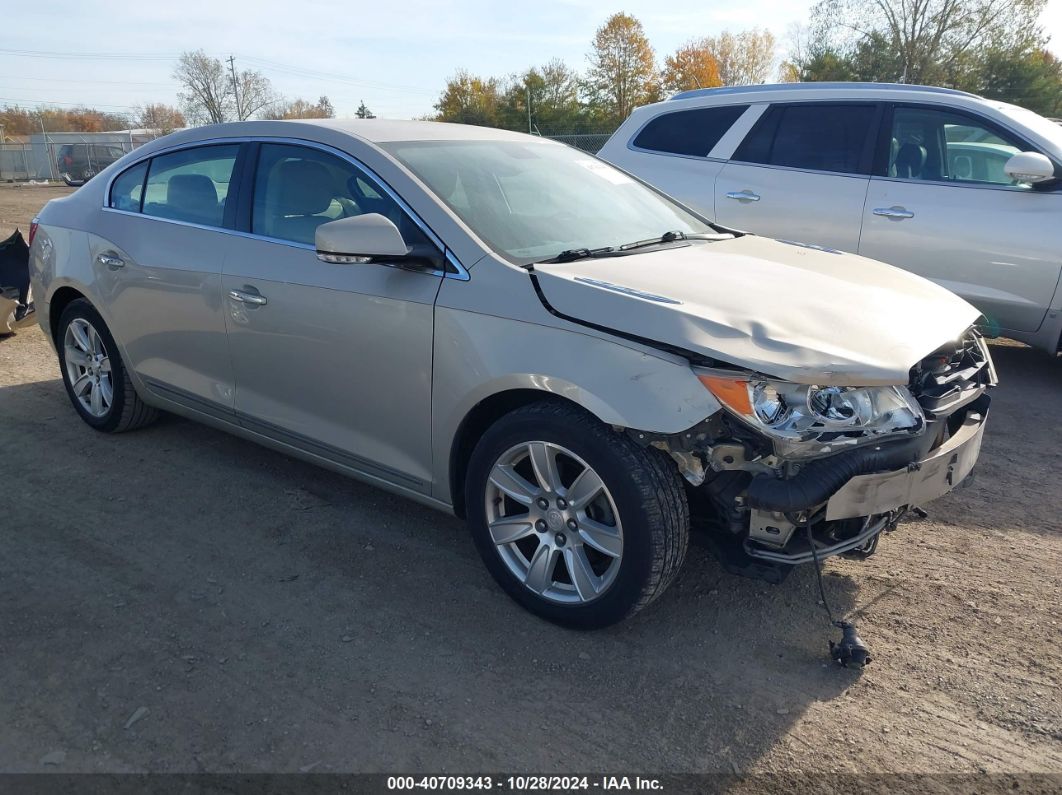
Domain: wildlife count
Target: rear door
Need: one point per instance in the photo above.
(158, 250)
(942, 207)
(331, 358)
(802, 173)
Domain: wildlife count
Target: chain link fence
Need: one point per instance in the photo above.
(588, 142)
(72, 156)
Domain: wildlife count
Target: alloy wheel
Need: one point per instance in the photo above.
(554, 523)
(88, 367)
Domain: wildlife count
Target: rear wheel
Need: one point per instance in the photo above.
(95, 379)
(574, 520)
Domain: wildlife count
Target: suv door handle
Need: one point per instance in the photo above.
(111, 260)
(894, 212)
(743, 196)
(254, 298)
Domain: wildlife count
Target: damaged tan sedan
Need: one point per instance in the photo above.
(512, 330)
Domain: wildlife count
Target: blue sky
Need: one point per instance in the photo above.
(395, 55)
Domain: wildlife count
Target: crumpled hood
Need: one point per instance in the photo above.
(794, 312)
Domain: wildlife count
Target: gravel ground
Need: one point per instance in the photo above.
(179, 600)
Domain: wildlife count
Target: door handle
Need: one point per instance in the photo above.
(898, 213)
(111, 260)
(248, 298)
(743, 196)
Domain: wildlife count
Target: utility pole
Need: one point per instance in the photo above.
(235, 87)
(527, 88)
(48, 148)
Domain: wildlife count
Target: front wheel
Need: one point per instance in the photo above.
(575, 521)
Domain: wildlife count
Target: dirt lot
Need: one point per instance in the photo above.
(254, 613)
(19, 203)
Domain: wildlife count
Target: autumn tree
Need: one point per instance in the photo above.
(622, 72)
(17, 120)
(691, 66)
(206, 88)
(363, 111)
(468, 99)
(162, 119)
(210, 95)
(745, 58)
(544, 98)
(300, 109)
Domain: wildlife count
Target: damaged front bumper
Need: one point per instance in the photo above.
(767, 508)
(867, 504)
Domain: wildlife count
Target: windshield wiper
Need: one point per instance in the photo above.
(671, 237)
(572, 254)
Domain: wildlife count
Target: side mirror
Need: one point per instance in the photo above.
(359, 239)
(1031, 168)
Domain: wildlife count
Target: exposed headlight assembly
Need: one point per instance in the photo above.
(806, 420)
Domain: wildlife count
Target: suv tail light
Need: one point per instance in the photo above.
(33, 231)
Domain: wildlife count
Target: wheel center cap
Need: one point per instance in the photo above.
(554, 518)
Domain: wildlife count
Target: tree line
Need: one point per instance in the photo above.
(990, 47)
(622, 73)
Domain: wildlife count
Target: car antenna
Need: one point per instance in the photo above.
(850, 650)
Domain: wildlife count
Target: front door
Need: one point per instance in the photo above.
(801, 174)
(331, 358)
(945, 210)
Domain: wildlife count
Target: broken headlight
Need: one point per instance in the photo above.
(803, 419)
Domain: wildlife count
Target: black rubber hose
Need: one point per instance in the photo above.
(820, 479)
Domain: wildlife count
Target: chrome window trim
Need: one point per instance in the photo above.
(942, 183)
(462, 273)
(842, 174)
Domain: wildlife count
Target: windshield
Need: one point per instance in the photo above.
(1045, 128)
(531, 201)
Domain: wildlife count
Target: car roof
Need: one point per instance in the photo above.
(375, 131)
(800, 88)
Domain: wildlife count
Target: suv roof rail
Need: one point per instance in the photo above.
(724, 90)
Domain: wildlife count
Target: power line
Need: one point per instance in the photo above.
(96, 56)
(299, 71)
(90, 105)
(93, 82)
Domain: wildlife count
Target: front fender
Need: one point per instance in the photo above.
(476, 358)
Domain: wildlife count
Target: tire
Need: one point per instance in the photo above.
(124, 411)
(642, 503)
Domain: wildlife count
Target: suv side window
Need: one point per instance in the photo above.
(688, 132)
(128, 188)
(942, 145)
(191, 184)
(813, 136)
(296, 189)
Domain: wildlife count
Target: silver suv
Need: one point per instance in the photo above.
(508, 329)
(962, 190)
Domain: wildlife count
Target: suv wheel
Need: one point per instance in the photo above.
(575, 521)
(95, 379)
